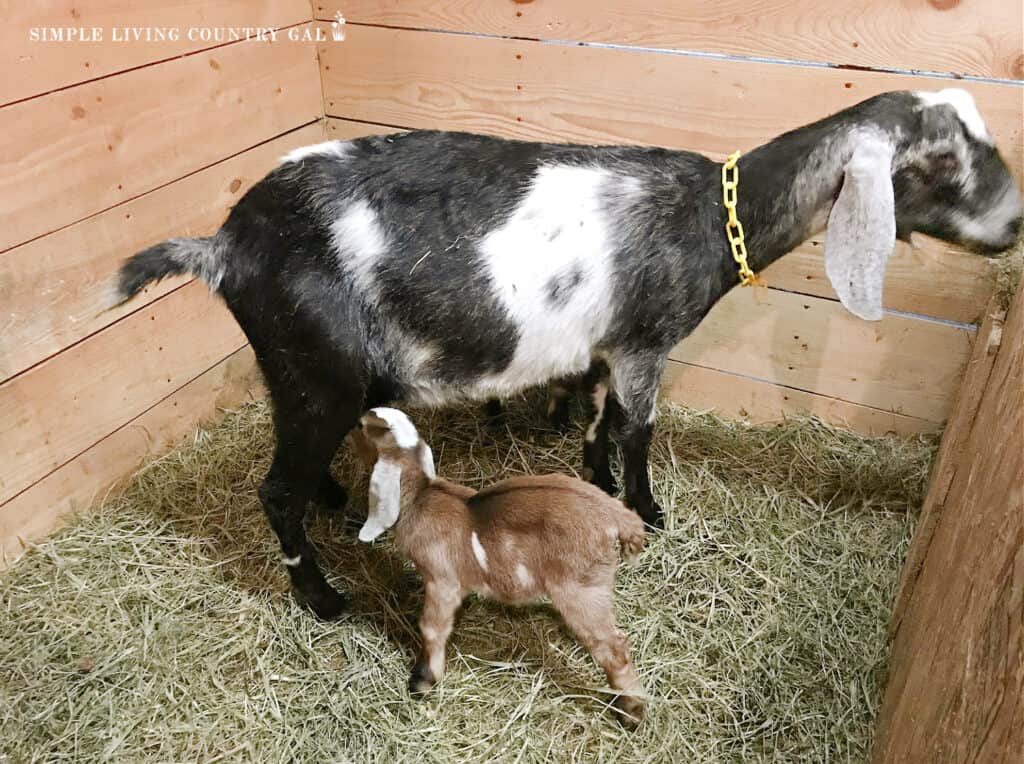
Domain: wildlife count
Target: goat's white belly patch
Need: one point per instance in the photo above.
(550, 264)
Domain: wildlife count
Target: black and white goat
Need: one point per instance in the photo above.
(432, 266)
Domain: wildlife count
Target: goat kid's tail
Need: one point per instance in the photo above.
(632, 533)
(202, 257)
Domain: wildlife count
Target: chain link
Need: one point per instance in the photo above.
(733, 227)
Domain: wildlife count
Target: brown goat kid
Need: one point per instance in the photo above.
(514, 541)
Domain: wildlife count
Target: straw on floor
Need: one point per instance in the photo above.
(159, 628)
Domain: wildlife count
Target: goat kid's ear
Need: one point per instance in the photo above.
(385, 499)
(862, 230)
(427, 461)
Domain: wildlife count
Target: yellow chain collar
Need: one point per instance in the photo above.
(734, 228)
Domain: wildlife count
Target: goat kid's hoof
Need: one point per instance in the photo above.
(629, 711)
(421, 681)
(327, 605)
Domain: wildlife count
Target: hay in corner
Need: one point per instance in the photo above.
(159, 628)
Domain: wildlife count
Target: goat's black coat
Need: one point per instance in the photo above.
(330, 351)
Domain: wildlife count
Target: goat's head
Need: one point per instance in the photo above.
(926, 164)
(399, 449)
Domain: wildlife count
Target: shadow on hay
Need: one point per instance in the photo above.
(207, 490)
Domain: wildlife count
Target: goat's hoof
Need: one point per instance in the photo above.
(629, 711)
(421, 681)
(330, 495)
(327, 604)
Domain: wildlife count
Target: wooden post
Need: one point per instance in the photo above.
(956, 686)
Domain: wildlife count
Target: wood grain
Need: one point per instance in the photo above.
(944, 470)
(33, 65)
(60, 408)
(956, 687)
(759, 401)
(555, 92)
(76, 152)
(81, 482)
(898, 364)
(53, 289)
(932, 279)
(979, 37)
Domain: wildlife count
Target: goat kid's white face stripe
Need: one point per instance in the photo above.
(966, 109)
(336, 149)
(401, 427)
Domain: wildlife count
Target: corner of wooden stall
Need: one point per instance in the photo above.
(152, 139)
(956, 677)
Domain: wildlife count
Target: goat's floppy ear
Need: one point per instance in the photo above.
(385, 499)
(862, 230)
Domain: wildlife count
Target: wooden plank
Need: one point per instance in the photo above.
(956, 687)
(761, 402)
(81, 482)
(34, 64)
(552, 92)
(54, 288)
(979, 38)
(958, 431)
(899, 364)
(345, 129)
(58, 409)
(76, 152)
(932, 279)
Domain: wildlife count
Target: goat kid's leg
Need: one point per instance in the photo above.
(442, 602)
(596, 464)
(305, 447)
(589, 611)
(635, 385)
(559, 394)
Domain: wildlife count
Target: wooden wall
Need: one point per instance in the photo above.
(107, 148)
(956, 686)
(682, 74)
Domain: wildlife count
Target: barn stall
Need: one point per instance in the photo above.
(798, 557)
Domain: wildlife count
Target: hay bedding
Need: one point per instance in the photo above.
(158, 628)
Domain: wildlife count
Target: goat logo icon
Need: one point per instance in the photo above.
(338, 27)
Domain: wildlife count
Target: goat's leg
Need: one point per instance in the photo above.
(589, 611)
(559, 394)
(305, 447)
(442, 602)
(330, 494)
(634, 383)
(596, 465)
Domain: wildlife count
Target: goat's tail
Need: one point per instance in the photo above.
(203, 257)
(632, 533)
